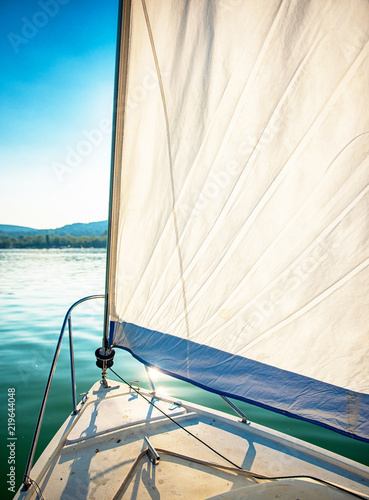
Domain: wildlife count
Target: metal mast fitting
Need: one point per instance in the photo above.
(104, 360)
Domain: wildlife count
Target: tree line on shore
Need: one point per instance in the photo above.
(50, 241)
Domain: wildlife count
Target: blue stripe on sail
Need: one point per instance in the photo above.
(237, 377)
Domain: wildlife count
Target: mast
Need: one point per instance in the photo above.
(117, 134)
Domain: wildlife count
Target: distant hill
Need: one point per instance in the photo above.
(78, 229)
(6, 229)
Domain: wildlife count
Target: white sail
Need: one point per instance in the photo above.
(239, 254)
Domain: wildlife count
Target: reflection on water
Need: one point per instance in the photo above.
(36, 289)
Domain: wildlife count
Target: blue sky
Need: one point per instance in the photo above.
(56, 92)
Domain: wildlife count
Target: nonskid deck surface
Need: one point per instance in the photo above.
(102, 454)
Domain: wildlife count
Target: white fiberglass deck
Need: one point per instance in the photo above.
(94, 452)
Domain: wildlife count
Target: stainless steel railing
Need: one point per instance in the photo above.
(67, 319)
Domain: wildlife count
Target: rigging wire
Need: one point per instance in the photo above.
(210, 464)
(176, 423)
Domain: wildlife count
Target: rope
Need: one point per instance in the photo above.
(38, 490)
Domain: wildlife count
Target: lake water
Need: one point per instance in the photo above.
(36, 289)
